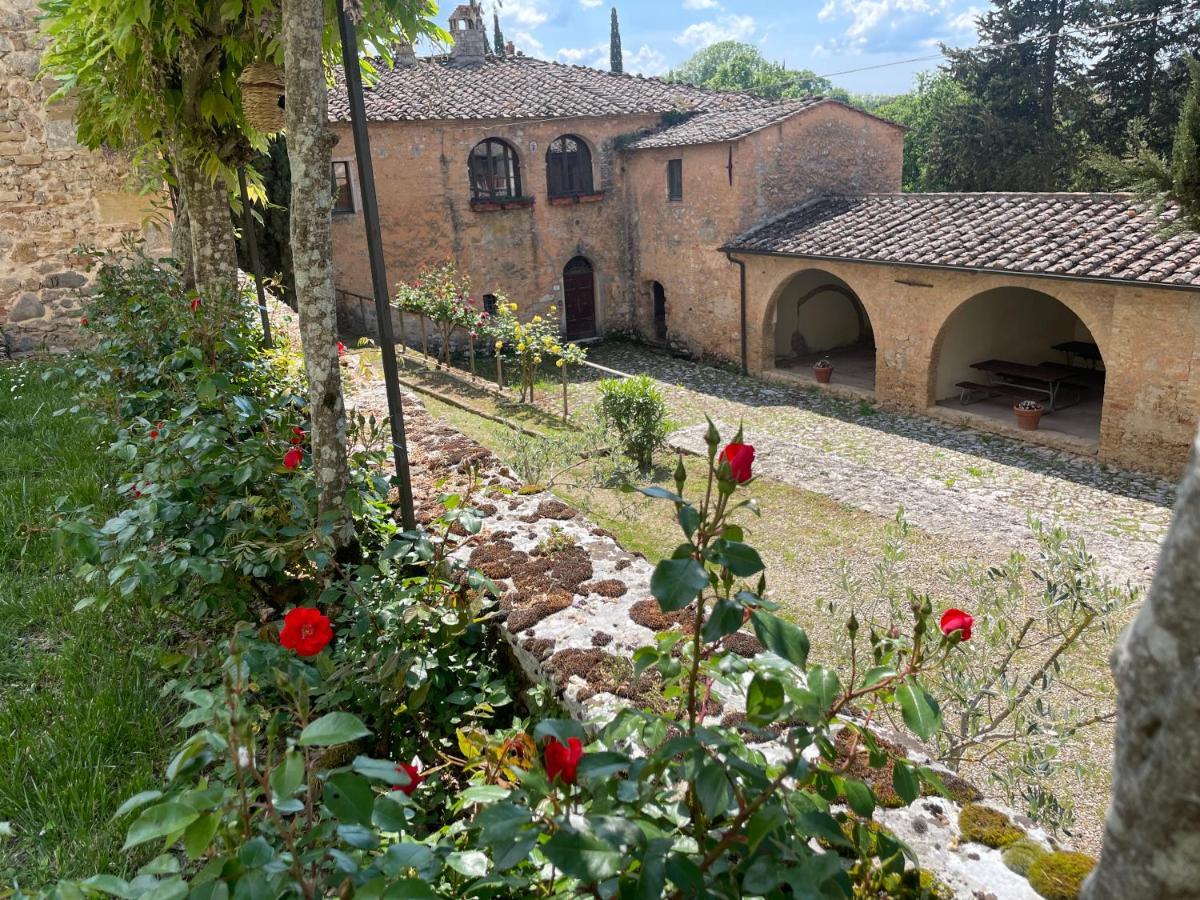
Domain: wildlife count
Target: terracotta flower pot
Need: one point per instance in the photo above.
(823, 373)
(1028, 419)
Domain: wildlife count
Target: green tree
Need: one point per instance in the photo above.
(931, 114)
(1140, 72)
(734, 66)
(498, 35)
(1028, 81)
(615, 59)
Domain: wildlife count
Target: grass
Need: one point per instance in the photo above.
(82, 726)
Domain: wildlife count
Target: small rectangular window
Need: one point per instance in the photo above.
(675, 179)
(343, 194)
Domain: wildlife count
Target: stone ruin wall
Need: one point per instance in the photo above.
(54, 196)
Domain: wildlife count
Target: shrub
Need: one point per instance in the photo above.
(1060, 875)
(635, 410)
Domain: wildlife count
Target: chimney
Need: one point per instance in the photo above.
(466, 27)
(403, 56)
(510, 49)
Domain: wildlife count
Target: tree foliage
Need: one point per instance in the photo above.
(734, 66)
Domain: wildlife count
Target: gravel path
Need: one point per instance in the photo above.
(950, 480)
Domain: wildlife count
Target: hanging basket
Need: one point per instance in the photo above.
(262, 96)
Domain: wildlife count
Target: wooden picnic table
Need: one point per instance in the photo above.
(1082, 349)
(1043, 379)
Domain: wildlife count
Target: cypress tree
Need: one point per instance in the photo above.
(616, 61)
(1185, 155)
(497, 34)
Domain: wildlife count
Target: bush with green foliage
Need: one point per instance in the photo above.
(355, 733)
(634, 408)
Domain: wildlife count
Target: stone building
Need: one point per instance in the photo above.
(54, 196)
(772, 234)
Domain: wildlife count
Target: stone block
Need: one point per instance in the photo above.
(28, 159)
(9, 196)
(65, 280)
(24, 252)
(27, 307)
(119, 208)
(12, 137)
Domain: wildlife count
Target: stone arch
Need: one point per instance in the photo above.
(1020, 325)
(814, 313)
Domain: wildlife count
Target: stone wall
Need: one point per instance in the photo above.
(54, 196)
(1149, 338)
(727, 189)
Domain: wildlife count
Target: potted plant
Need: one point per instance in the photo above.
(1028, 413)
(823, 370)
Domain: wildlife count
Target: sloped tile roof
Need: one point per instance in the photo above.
(1088, 236)
(718, 125)
(520, 87)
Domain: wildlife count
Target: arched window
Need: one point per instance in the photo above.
(569, 167)
(495, 172)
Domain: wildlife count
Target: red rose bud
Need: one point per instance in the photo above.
(292, 458)
(741, 461)
(306, 631)
(154, 434)
(84, 321)
(195, 304)
(562, 761)
(341, 349)
(414, 778)
(956, 620)
(297, 430)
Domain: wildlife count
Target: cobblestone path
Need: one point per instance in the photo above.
(951, 480)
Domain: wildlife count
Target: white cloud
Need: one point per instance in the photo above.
(887, 26)
(727, 28)
(526, 13)
(700, 4)
(645, 61)
(528, 44)
(590, 4)
(579, 56)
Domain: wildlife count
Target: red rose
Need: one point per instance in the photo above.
(195, 304)
(84, 321)
(561, 761)
(956, 620)
(741, 461)
(154, 434)
(298, 431)
(414, 778)
(341, 349)
(292, 458)
(306, 630)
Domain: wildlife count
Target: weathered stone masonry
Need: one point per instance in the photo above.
(54, 196)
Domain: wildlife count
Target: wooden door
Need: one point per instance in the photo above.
(579, 299)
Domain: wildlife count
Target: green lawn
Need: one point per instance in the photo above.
(81, 723)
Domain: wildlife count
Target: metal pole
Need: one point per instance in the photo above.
(379, 284)
(255, 265)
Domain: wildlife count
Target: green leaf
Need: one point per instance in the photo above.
(287, 776)
(410, 889)
(159, 821)
(815, 823)
(136, 801)
(905, 781)
(472, 863)
(198, 835)
(763, 699)
(379, 770)
(350, 797)
(781, 638)
(677, 582)
(825, 686)
(877, 674)
(333, 728)
(859, 797)
(582, 856)
(484, 793)
(561, 730)
(741, 559)
(713, 789)
(388, 815)
(110, 884)
(920, 711)
(602, 764)
(726, 618)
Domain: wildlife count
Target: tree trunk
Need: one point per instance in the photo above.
(1152, 831)
(310, 146)
(210, 225)
(181, 239)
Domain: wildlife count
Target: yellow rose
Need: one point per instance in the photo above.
(553, 309)
(537, 319)
(499, 345)
(537, 360)
(513, 307)
(520, 348)
(559, 363)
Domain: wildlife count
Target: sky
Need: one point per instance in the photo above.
(826, 36)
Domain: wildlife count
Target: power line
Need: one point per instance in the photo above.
(1112, 26)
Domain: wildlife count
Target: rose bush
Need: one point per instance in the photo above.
(722, 778)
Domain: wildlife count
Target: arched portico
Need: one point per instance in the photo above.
(813, 315)
(1008, 343)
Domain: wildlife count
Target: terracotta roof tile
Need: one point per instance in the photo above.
(1105, 236)
(520, 87)
(718, 125)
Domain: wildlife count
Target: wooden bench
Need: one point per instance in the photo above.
(997, 390)
(1078, 375)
